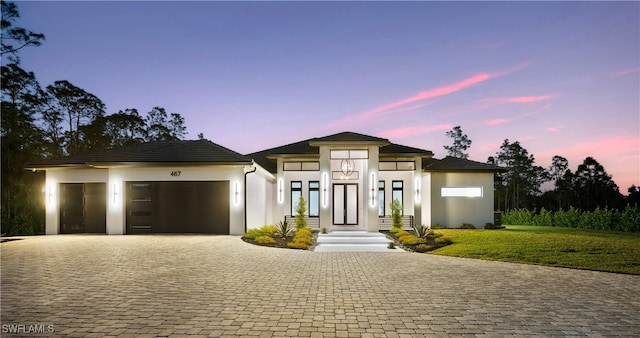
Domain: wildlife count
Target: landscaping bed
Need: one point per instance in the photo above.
(281, 236)
(419, 240)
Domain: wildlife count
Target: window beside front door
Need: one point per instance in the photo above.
(396, 193)
(314, 198)
(296, 193)
(381, 205)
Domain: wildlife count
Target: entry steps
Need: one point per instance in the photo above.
(353, 241)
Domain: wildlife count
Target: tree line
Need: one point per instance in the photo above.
(57, 120)
(519, 186)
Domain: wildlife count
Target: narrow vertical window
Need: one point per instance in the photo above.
(381, 204)
(296, 193)
(314, 199)
(396, 193)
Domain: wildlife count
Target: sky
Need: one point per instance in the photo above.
(562, 78)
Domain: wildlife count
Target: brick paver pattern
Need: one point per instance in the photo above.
(183, 285)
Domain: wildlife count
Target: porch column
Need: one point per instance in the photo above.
(371, 190)
(325, 188)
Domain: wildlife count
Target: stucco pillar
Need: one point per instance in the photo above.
(417, 193)
(325, 188)
(371, 189)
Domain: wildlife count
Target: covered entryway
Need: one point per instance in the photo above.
(83, 208)
(178, 207)
(345, 204)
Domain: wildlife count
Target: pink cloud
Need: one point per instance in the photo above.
(414, 130)
(359, 118)
(625, 72)
(496, 121)
(528, 99)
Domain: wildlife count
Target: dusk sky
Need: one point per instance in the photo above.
(563, 78)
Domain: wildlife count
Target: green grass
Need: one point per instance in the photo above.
(566, 247)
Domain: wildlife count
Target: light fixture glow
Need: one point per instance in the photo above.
(325, 190)
(236, 192)
(50, 194)
(115, 193)
(372, 190)
(461, 192)
(280, 190)
(418, 184)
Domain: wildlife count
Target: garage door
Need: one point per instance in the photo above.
(178, 207)
(83, 208)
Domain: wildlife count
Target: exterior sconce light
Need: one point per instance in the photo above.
(50, 194)
(236, 192)
(325, 190)
(280, 191)
(372, 190)
(418, 184)
(115, 193)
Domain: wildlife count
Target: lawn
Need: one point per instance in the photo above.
(566, 247)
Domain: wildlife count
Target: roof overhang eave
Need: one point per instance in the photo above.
(105, 165)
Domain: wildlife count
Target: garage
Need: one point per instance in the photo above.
(177, 207)
(83, 208)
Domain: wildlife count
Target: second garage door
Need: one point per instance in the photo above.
(178, 207)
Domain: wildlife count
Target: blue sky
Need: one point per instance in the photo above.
(563, 78)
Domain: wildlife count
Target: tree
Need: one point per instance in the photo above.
(301, 209)
(76, 107)
(522, 179)
(461, 143)
(557, 172)
(594, 188)
(15, 38)
(112, 131)
(161, 128)
(634, 196)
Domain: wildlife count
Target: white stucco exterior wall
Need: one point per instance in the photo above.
(454, 211)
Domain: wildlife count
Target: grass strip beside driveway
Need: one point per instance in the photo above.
(565, 247)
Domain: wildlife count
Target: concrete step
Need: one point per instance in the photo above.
(353, 241)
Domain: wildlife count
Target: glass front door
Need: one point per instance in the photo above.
(345, 204)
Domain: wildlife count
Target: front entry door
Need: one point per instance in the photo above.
(345, 204)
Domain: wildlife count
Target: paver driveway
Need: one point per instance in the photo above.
(221, 286)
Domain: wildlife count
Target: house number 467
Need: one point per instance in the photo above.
(176, 173)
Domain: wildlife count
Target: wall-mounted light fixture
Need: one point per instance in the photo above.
(115, 193)
(280, 190)
(50, 194)
(417, 186)
(325, 190)
(236, 192)
(373, 185)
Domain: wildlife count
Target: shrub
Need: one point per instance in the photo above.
(265, 239)
(442, 241)
(266, 230)
(424, 247)
(567, 219)
(438, 226)
(518, 217)
(467, 226)
(629, 219)
(301, 209)
(323, 230)
(298, 245)
(303, 232)
(421, 231)
(543, 218)
(411, 240)
(396, 214)
(394, 231)
(283, 229)
(391, 245)
(490, 226)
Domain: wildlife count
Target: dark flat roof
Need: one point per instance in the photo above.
(453, 164)
(197, 152)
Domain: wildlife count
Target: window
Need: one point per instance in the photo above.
(296, 193)
(400, 165)
(301, 166)
(396, 192)
(381, 204)
(314, 199)
(349, 154)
